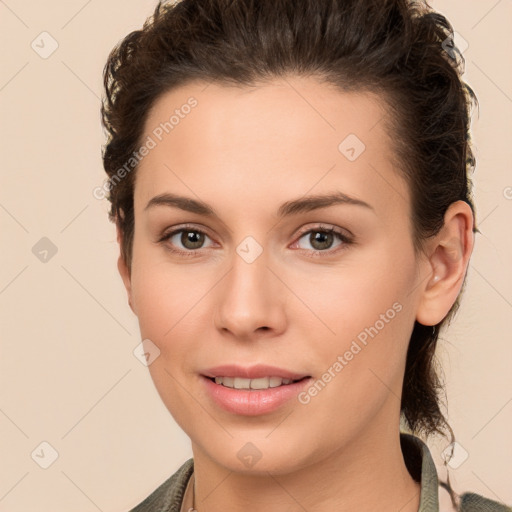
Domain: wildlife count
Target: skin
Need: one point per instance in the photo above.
(245, 151)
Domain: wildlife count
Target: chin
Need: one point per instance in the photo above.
(255, 455)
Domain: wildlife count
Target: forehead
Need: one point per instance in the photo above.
(289, 135)
(294, 109)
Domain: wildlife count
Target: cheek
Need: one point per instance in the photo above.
(171, 312)
(353, 296)
(172, 304)
(363, 312)
(162, 304)
(360, 367)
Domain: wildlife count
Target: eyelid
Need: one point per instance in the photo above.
(327, 227)
(183, 227)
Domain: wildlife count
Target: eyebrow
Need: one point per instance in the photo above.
(294, 207)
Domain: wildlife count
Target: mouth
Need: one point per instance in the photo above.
(242, 383)
(260, 395)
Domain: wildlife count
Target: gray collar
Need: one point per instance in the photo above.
(417, 457)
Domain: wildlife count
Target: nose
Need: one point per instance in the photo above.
(251, 300)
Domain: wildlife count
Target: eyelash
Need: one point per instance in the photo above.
(345, 239)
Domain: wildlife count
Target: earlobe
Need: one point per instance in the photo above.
(449, 253)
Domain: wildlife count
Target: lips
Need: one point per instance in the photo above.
(252, 372)
(253, 402)
(252, 390)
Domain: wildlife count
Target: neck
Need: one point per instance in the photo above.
(367, 474)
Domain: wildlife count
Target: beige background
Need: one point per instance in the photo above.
(68, 373)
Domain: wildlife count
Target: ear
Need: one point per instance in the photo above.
(449, 252)
(124, 270)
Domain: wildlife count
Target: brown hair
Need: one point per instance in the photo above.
(400, 49)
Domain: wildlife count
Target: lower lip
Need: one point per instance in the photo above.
(252, 402)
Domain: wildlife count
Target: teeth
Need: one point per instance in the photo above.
(261, 383)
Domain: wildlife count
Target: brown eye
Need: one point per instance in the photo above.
(192, 239)
(185, 240)
(322, 240)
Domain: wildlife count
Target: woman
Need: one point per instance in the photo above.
(289, 181)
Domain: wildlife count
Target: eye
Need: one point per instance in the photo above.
(191, 239)
(188, 241)
(321, 239)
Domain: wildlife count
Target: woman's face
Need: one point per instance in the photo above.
(267, 283)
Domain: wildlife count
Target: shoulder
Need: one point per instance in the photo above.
(471, 502)
(434, 495)
(468, 502)
(169, 495)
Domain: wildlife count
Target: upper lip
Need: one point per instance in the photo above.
(252, 372)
